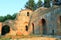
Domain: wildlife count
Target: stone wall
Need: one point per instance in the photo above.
(50, 15)
(39, 22)
(18, 26)
(0, 27)
(22, 21)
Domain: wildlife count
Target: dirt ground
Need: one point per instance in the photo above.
(26, 38)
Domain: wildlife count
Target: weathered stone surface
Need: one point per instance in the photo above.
(39, 22)
(50, 15)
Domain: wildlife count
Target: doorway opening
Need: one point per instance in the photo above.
(26, 28)
(33, 27)
(60, 19)
(5, 29)
(44, 26)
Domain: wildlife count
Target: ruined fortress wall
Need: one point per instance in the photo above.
(50, 16)
(18, 26)
(22, 21)
(41, 21)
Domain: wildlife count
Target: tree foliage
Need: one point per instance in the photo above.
(8, 17)
(12, 17)
(47, 3)
(2, 19)
(33, 6)
(39, 4)
(30, 5)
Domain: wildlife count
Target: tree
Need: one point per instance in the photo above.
(39, 4)
(8, 17)
(30, 5)
(2, 19)
(47, 3)
(14, 16)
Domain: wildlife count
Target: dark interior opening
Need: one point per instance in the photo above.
(5, 29)
(44, 26)
(43, 22)
(33, 27)
(56, 0)
(52, 32)
(27, 13)
(60, 19)
(26, 28)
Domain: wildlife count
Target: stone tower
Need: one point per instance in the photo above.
(22, 20)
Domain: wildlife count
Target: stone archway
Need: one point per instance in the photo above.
(33, 27)
(43, 23)
(5, 30)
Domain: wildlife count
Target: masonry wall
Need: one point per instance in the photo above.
(50, 15)
(0, 27)
(22, 21)
(49, 26)
(18, 26)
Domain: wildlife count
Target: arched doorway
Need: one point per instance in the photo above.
(43, 22)
(53, 32)
(5, 29)
(33, 27)
(60, 19)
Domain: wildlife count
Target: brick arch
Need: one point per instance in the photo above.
(5, 29)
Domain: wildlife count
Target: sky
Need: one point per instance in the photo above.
(11, 6)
